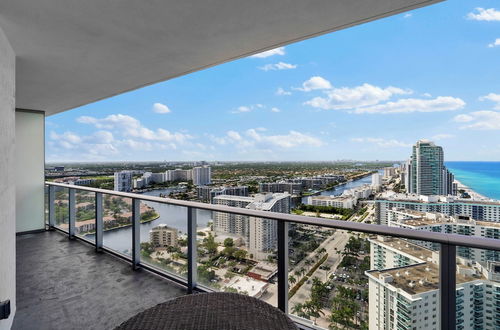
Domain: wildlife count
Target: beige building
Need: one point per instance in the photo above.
(163, 236)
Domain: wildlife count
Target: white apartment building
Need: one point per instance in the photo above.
(389, 172)
(207, 193)
(376, 181)
(231, 223)
(346, 202)
(437, 222)
(163, 236)
(123, 181)
(404, 289)
(260, 234)
(202, 175)
(449, 205)
(178, 175)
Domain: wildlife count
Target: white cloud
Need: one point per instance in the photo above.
(248, 108)
(350, 98)
(463, 118)
(243, 108)
(255, 139)
(383, 143)
(408, 15)
(292, 139)
(130, 127)
(495, 43)
(281, 91)
(482, 14)
(443, 136)
(274, 109)
(234, 135)
(480, 120)
(440, 103)
(272, 52)
(278, 66)
(492, 97)
(314, 83)
(161, 108)
(96, 145)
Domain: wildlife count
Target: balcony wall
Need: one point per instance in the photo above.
(30, 161)
(7, 177)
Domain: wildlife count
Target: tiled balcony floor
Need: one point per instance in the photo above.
(63, 284)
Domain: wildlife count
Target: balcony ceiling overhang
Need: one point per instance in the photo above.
(74, 52)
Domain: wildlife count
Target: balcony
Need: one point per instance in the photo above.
(64, 284)
(78, 273)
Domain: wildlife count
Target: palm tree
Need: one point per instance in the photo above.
(292, 279)
(302, 271)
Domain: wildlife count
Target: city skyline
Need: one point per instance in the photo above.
(364, 93)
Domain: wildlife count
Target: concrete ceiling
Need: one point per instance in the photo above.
(73, 52)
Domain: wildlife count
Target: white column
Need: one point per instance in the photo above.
(7, 179)
(29, 170)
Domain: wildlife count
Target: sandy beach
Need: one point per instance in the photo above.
(474, 195)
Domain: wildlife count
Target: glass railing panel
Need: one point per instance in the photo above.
(164, 237)
(478, 287)
(61, 210)
(117, 224)
(328, 286)
(85, 214)
(46, 204)
(238, 254)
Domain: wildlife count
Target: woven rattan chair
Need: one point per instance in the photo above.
(210, 311)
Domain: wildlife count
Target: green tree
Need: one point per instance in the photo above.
(228, 242)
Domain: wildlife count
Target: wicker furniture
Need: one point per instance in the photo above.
(210, 311)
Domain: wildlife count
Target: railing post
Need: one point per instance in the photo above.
(283, 266)
(99, 226)
(136, 233)
(192, 249)
(447, 285)
(72, 212)
(52, 207)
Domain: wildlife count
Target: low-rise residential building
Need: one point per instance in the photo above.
(441, 223)
(481, 210)
(163, 236)
(346, 202)
(281, 187)
(207, 194)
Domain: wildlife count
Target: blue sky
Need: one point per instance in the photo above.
(365, 93)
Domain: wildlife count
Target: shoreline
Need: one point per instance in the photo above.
(474, 195)
(125, 226)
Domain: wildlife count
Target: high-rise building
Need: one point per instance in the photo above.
(202, 175)
(178, 175)
(404, 280)
(376, 180)
(260, 234)
(426, 173)
(389, 172)
(123, 181)
(403, 288)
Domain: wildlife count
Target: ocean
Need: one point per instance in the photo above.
(482, 177)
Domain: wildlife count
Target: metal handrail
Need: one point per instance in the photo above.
(442, 238)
